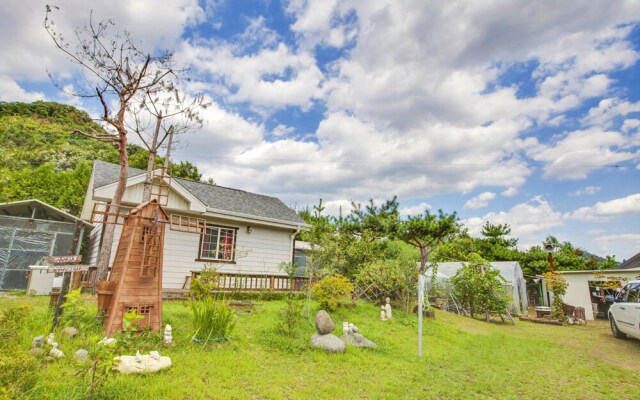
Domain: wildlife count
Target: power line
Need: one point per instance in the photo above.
(303, 160)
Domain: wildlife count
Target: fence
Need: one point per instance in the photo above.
(253, 283)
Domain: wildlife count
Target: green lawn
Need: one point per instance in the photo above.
(464, 359)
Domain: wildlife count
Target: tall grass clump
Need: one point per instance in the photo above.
(213, 320)
(18, 369)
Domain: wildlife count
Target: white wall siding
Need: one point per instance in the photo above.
(94, 245)
(257, 253)
(133, 195)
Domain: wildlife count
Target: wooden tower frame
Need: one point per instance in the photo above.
(135, 282)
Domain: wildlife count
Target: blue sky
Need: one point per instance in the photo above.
(517, 112)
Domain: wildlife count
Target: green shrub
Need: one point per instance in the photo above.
(558, 285)
(396, 279)
(213, 320)
(204, 285)
(332, 290)
(480, 288)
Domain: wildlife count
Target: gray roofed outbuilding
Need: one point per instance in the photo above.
(631, 263)
(216, 197)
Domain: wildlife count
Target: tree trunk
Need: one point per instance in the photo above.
(109, 229)
(146, 194)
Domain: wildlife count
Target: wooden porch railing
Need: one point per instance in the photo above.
(230, 282)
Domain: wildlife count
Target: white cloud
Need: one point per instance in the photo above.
(608, 109)
(269, 79)
(606, 210)
(623, 245)
(282, 130)
(414, 210)
(630, 125)
(11, 91)
(480, 201)
(530, 222)
(589, 190)
(34, 52)
(580, 152)
(509, 192)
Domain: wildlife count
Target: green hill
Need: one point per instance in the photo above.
(41, 157)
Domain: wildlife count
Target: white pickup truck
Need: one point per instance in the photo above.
(624, 314)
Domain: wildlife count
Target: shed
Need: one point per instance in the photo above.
(29, 230)
(509, 270)
(584, 288)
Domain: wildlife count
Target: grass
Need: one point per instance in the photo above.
(464, 359)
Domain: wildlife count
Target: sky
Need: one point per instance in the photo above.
(518, 112)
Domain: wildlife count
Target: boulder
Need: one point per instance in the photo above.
(357, 340)
(142, 364)
(81, 355)
(324, 323)
(37, 342)
(329, 342)
(69, 331)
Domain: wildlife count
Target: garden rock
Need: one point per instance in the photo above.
(37, 342)
(69, 331)
(81, 355)
(324, 323)
(329, 342)
(140, 364)
(357, 340)
(353, 338)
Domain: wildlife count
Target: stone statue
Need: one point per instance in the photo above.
(387, 308)
(56, 352)
(345, 328)
(383, 314)
(50, 339)
(168, 338)
(354, 338)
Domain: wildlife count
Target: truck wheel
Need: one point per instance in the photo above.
(614, 329)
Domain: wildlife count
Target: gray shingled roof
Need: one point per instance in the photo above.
(213, 196)
(633, 262)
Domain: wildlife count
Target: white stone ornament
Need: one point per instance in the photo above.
(387, 308)
(55, 352)
(107, 341)
(345, 328)
(383, 314)
(168, 337)
(140, 364)
(50, 339)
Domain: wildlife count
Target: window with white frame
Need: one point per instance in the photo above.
(218, 243)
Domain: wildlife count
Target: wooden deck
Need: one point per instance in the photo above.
(228, 282)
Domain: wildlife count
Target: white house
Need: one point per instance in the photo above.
(584, 287)
(246, 233)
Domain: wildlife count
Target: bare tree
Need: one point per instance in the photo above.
(114, 69)
(160, 115)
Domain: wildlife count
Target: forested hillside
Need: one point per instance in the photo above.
(41, 157)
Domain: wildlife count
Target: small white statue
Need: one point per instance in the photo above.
(168, 338)
(106, 341)
(138, 356)
(56, 352)
(345, 328)
(387, 308)
(353, 329)
(383, 314)
(50, 339)
(155, 355)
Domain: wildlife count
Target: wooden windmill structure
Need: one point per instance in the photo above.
(135, 282)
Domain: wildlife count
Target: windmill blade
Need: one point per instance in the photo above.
(105, 213)
(187, 224)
